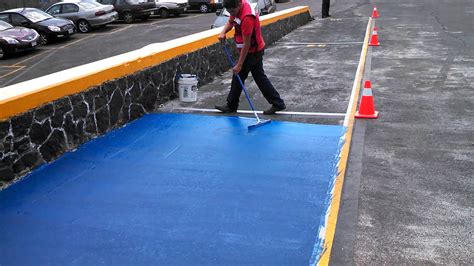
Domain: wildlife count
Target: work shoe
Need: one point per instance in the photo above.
(225, 108)
(273, 109)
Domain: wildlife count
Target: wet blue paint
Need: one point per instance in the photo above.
(175, 189)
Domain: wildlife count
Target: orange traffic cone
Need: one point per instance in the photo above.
(366, 107)
(375, 13)
(374, 41)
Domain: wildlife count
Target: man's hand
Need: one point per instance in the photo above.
(228, 26)
(221, 37)
(237, 68)
(243, 54)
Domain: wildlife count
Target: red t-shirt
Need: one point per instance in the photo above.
(247, 25)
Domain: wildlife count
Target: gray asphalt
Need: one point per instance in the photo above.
(426, 86)
(99, 44)
(105, 42)
(414, 165)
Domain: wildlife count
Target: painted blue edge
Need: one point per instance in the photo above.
(318, 249)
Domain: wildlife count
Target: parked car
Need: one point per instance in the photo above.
(205, 5)
(165, 8)
(47, 26)
(129, 10)
(261, 7)
(267, 6)
(85, 15)
(16, 39)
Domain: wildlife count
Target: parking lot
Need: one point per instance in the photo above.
(114, 39)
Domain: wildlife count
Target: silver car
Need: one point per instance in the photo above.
(267, 6)
(85, 14)
(170, 7)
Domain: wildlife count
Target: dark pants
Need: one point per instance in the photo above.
(253, 63)
(325, 9)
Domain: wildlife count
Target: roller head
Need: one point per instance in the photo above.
(259, 123)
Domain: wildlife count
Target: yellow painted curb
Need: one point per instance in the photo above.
(336, 197)
(21, 97)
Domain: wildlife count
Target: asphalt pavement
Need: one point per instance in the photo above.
(101, 43)
(414, 165)
(114, 39)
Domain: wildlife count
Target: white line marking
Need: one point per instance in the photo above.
(354, 17)
(261, 112)
(318, 43)
(388, 18)
(172, 151)
(26, 70)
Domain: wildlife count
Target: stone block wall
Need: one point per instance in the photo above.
(41, 135)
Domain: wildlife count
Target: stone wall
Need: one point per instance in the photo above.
(43, 134)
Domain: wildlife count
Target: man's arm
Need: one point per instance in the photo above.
(228, 26)
(243, 54)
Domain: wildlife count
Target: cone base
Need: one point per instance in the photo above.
(371, 116)
(374, 44)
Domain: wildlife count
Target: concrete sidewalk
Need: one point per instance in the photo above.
(313, 69)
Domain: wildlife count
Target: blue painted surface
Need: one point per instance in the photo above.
(175, 189)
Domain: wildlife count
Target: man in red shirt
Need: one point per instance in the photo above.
(250, 43)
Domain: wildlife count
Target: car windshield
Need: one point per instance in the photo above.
(89, 5)
(4, 25)
(36, 15)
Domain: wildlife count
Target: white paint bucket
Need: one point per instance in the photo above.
(187, 88)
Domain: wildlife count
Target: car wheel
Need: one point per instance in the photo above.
(2, 53)
(164, 13)
(83, 26)
(128, 17)
(204, 8)
(44, 39)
